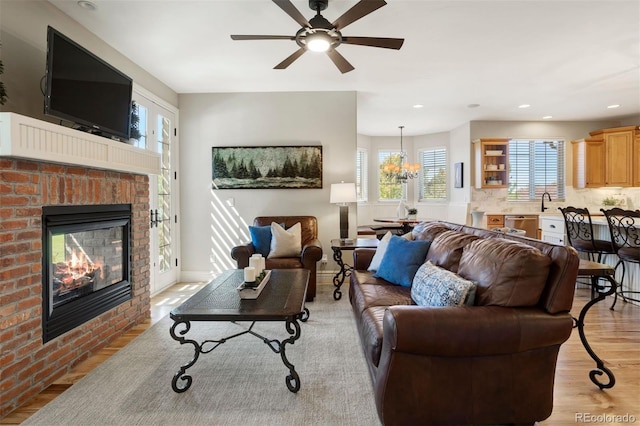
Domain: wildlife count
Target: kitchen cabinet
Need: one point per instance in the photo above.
(610, 157)
(619, 156)
(552, 228)
(495, 221)
(492, 163)
(589, 163)
(636, 160)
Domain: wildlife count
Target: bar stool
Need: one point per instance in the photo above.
(624, 226)
(596, 271)
(580, 234)
(579, 229)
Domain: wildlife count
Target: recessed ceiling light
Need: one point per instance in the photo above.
(524, 106)
(473, 105)
(547, 117)
(86, 4)
(613, 106)
(418, 106)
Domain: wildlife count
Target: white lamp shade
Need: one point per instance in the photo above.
(343, 193)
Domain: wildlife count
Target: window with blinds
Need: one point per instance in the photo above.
(536, 167)
(362, 173)
(433, 174)
(389, 189)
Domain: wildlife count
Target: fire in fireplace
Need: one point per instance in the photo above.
(86, 263)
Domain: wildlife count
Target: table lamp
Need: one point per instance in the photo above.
(341, 194)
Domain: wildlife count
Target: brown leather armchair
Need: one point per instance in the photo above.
(310, 255)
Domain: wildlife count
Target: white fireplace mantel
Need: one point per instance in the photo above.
(33, 139)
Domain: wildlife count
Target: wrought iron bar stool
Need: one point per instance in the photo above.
(579, 229)
(580, 234)
(624, 226)
(596, 271)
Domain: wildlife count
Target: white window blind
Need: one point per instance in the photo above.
(433, 174)
(389, 189)
(362, 175)
(536, 167)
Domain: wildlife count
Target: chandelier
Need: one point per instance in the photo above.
(402, 171)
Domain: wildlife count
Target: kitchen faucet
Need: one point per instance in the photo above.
(543, 208)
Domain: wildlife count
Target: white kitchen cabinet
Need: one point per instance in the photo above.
(552, 228)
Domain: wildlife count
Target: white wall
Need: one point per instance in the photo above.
(210, 227)
(460, 152)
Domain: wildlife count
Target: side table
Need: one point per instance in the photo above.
(338, 246)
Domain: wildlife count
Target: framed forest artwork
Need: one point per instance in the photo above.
(266, 167)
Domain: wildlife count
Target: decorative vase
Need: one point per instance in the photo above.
(401, 211)
(477, 218)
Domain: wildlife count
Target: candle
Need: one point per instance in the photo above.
(256, 263)
(249, 274)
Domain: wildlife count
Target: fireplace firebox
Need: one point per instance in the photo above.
(86, 264)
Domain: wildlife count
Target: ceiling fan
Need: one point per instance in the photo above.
(318, 34)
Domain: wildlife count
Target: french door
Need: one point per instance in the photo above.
(158, 133)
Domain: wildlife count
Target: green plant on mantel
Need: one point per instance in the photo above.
(609, 201)
(134, 132)
(3, 91)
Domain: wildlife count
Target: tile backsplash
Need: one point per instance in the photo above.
(495, 200)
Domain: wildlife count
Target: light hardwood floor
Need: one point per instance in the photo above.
(613, 335)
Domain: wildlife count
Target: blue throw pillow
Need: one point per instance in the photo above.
(402, 259)
(261, 239)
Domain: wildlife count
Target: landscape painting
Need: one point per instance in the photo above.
(266, 167)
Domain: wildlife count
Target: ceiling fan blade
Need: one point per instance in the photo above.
(387, 43)
(343, 65)
(360, 9)
(261, 37)
(292, 11)
(295, 55)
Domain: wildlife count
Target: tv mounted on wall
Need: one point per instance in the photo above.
(84, 89)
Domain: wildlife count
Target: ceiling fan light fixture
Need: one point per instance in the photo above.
(318, 42)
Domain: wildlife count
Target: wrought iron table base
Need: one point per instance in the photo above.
(292, 326)
(341, 275)
(602, 291)
(621, 291)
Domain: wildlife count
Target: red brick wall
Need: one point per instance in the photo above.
(28, 366)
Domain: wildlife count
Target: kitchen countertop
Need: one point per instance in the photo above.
(596, 218)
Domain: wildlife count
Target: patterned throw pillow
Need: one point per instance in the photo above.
(435, 286)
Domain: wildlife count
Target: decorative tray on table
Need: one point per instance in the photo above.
(247, 291)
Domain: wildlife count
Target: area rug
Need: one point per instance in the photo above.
(242, 382)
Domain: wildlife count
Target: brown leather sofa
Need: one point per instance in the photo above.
(310, 255)
(491, 363)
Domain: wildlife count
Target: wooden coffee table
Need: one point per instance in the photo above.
(282, 299)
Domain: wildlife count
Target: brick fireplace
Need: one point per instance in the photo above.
(26, 185)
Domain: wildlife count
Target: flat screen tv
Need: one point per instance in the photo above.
(84, 89)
